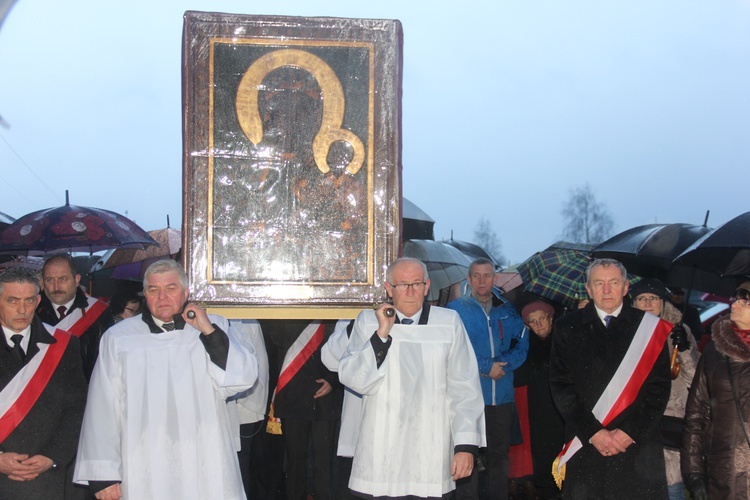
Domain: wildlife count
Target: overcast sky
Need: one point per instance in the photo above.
(507, 105)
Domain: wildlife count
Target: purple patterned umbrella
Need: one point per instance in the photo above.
(73, 229)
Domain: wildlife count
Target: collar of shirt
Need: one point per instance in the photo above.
(67, 305)
(26, 334)
(414, 318)
(159, 322)
(603, 314)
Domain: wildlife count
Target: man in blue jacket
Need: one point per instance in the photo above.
(500, 343)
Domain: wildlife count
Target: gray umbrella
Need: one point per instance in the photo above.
(446, 265)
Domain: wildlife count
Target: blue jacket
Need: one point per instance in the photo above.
(492, 338)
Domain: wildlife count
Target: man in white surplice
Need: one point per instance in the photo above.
(156, 423)
(423, 412)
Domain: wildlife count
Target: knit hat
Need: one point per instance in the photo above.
(650, 285)
(537, 305)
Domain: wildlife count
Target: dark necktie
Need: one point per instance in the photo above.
(17, 349)
(607, 319)
(407, 321)
(61, 310)
(168, 327)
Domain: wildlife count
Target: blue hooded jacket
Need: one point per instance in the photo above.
(493, 339)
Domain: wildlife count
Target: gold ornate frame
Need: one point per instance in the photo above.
(238, 258)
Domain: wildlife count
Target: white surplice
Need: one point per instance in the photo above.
(351, 411)
(156, 416)
(424, 399)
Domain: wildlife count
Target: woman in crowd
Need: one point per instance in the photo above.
(716, 447)
(652, 296)
(124, 305)
(546, 424)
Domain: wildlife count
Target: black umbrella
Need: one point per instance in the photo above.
(73, 229)
(724, 251)
(417, 224)
(650, 249)
(472, 250)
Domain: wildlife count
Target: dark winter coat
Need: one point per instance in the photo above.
(52, 426)
(296, 399)
(585, 355)
(714, 444)
(89, 340)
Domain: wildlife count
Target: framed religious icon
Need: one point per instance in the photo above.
(291, 162)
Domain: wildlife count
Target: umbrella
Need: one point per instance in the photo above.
(557, 273)
(446, 265)
(650, 249)
(724, 251)
(71, 228)
(5, 218)
(131, 264)
(508, 279)
(472, 250)
(417, 224)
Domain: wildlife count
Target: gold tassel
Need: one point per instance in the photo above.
(274, 424)
(558, 472)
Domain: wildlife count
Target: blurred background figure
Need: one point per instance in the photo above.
(716, 448)
(125, 305)
(651, 295)
(547, 427)
(690, 315)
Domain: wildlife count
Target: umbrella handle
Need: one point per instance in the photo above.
(674, 364)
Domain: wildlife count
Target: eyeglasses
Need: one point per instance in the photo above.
(132, 310)
(537, 322)
(645, 299)
(406, 286)
(742, 302)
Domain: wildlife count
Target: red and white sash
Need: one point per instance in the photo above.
(627, 381)
(296, 356)
(17, 398)
(79, 320)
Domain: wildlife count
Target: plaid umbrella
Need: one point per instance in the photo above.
(557, 274)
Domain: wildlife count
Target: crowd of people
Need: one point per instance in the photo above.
(148, 396)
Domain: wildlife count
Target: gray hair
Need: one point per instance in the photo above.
(606, 263)
(391, 268)
(481, 261)
(19, 275)
(166, 266)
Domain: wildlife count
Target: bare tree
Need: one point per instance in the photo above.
(486, 237)
(586, 219)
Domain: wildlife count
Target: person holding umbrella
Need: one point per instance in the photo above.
(716, 447)
(652, 296)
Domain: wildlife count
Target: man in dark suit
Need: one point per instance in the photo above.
(64, 305)
(609, 377)
(40, 417)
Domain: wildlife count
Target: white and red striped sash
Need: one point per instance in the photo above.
(22, 392)
(296, 356)
(627, 381)
(79, 320)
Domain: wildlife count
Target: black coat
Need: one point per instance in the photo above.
(545, 423)
(584, 357)
(296, 399)
(89, 340)
(52, 426)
